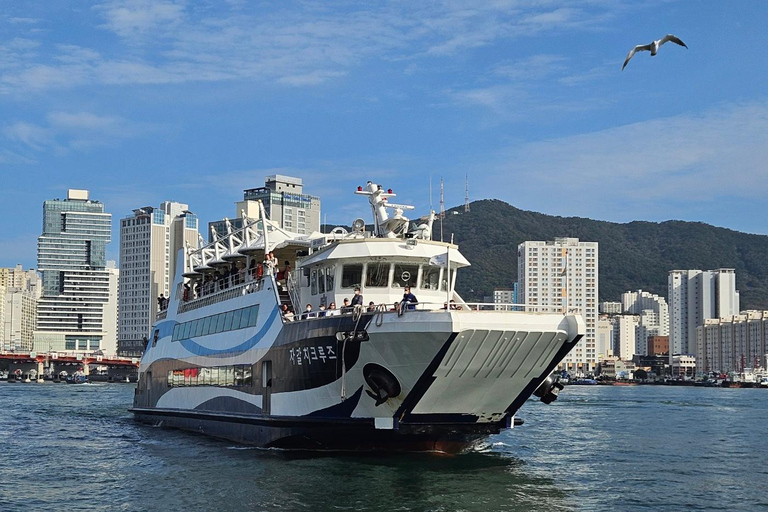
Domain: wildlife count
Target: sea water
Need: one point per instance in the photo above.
(76, 447)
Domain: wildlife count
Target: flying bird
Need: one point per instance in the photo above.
(652, 47)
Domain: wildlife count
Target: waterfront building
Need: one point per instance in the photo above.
(733, 343)
(683, 366)
(285, 204)
(74, 313)
(19, 291)
(611, 308)
(561, 275)
(625, 336)
(657, 346)
(694, 296)
(604, 338)
(150, 241)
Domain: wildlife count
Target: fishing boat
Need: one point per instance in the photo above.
(259, 356)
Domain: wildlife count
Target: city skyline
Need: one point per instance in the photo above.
(142, 102)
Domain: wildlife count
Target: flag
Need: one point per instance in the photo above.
(441, 260)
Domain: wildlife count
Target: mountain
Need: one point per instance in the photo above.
(637, 255)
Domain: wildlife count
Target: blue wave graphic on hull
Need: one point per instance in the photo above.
(195, 348)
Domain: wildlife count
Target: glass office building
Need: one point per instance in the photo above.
(78, 308)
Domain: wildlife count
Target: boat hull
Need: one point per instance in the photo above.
(412, 381)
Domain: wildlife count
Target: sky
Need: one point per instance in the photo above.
(193, 101)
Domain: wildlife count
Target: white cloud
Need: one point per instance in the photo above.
(140, 17)
(164, 42)
(34, 136)
(688, 158)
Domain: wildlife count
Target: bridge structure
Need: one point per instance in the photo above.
(40, 360)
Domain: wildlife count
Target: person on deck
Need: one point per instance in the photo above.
(357, 299)
(409, 299)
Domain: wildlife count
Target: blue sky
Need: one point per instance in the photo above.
(144, 101)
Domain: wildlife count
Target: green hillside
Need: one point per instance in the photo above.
(638, 255)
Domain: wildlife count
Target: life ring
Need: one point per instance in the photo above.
(405, 276)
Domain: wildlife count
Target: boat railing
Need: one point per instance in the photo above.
(403, 308)
(293, 292)
(161, 315)
(228, 287)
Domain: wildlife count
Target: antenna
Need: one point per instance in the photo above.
(466, 193)
(442, 208)
(431, 207)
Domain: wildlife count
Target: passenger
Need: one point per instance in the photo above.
(395, 306)
(371, 306)
(308, 312)
(287, 313)
(322, 311)
(332, 311)
(409, 299)
(357, 300)
(345, 308)
(186, 292)
(283, 274)
(454, 305)
(162, 302)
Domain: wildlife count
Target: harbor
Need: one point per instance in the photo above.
(598, 448)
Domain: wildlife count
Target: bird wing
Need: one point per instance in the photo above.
(674, 39)
(638, 48)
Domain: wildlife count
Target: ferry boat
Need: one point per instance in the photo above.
(424, 371)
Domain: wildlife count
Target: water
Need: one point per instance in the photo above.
(597, 448)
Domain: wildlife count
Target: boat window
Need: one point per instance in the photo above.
(236, 314)
(199, 324)
(321, 280)
(377, 275)
(220, 322)
(206, 326)
(176, 329)
(228, 320)
(446, 279)
(187, 328)
(330, 273)
(430, 277)
(313, 282)
(405, 275)
(254, 316)
(351, 275)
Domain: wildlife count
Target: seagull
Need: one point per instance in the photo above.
(652, 47)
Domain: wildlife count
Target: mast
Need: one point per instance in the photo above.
(442, 208)
(466, 193)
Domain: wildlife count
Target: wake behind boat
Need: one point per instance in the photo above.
(394, 372)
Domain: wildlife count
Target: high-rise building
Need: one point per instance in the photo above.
(653, 313)
(77, 298)
(732, 343)
(562, 275)
(625, 336)
(604, 338)
(150, 241)
(694, 296)
(19, 292)
(285, 203)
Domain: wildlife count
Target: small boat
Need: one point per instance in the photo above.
(77, 378)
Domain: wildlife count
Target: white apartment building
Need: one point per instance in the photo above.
(19, 291)
(733, 343)
(625, 336)
(77, 295)
(150, 241)
(611, 308)
(604, 339)
(653, 313)
(562, 275)
(694, 296)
